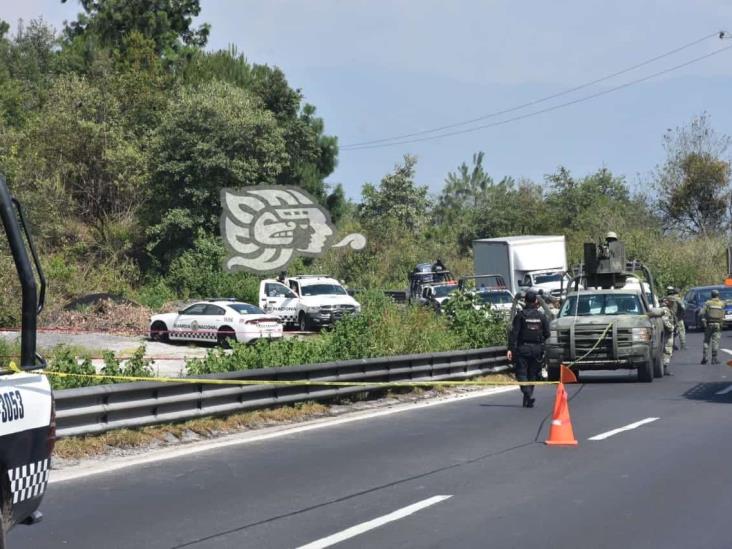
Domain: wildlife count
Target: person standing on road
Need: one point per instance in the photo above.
(712, 317)
(669, 325)
(526, 347)
(678, 308)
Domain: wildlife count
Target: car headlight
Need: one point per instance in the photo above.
(553, 337)
(641, 335)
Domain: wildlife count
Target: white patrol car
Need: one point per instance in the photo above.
(216, 321)
(306, 301)
(27, 417)
(498, 299)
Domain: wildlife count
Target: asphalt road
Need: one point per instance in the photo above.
(377, 482)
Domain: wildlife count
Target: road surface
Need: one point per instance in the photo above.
(466, 474)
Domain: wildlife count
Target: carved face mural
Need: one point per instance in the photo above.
(264, 228)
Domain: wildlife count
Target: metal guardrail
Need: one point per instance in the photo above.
(90, 410)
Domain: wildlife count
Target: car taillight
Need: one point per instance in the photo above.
(52, 428)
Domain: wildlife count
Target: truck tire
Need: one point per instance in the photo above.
(5, 512)
(645, 372)
(303, 323)
(658, 366)
(553, 373)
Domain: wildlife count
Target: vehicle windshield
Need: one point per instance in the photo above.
(323, 289)
(494, 298)
(724, 293)
(543, 279)
(444, 291)
(602, 304)
(245, 309)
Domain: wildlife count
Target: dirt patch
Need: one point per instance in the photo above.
(103, 315)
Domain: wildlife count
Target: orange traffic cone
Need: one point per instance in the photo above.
(560, 432)
(566, 375)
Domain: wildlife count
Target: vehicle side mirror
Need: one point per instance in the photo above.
(655, 312)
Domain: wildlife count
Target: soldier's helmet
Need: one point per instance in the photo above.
(611, 236)
(670, 290)
(715, 293)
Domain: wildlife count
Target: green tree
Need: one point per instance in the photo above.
(166, 22)
(465, 190)
(397, 199)
(77, 162)
(27, 68)
(312, 154)
(211, 137)
(693, 184)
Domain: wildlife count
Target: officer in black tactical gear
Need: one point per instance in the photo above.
(526, 347)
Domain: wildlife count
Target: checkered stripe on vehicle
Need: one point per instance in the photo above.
(28, 481)
(205, 334)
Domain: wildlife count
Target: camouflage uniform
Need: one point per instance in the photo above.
(669, 324)
(677, 308)
(712, 319)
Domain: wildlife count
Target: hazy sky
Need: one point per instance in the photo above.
(378, 68)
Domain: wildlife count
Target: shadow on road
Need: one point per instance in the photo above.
(710, 392)
(624, 376)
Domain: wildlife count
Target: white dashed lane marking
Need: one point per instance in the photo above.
(608, 434)
(359, 529)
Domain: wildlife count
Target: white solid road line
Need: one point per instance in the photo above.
(359, 529)
(108, 465)
(724, 391)
(603, 436)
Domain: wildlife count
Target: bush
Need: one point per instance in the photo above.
(67, 360)
(382, 329)
(481, 327)
(198, 273)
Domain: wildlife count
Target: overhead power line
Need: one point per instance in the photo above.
(541, 111)
(398, 138)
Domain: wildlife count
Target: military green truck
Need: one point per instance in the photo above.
(607, 321)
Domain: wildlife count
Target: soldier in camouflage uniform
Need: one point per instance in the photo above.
(678, 308)
(712, 318)
(669, 325)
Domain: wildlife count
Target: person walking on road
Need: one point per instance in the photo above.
(678, 308)
(712, 318)
(669, 325)
(526, 347)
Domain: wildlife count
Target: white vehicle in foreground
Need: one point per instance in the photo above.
(307, 301)
(216, 321)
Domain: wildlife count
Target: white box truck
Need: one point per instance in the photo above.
(536, 262)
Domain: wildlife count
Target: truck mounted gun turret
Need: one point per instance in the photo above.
(607, 320)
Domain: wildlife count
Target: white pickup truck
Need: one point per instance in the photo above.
(27, 421)
(306, 301)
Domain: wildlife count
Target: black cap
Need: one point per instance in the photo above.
(715, 293)
(530, 296)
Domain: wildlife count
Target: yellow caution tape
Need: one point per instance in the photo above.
(208, 381)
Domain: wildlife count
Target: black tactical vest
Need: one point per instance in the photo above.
(531, 327)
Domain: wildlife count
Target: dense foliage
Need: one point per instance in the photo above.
(382, 329)
(119, 132)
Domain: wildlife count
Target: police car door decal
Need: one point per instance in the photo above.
(24, 403)
(278, 302)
